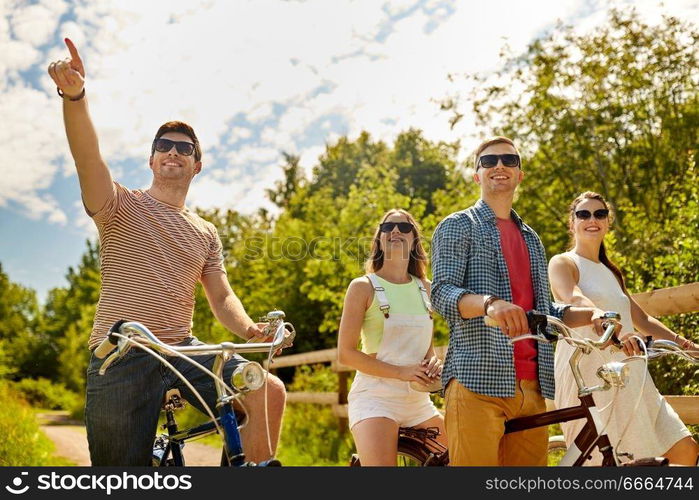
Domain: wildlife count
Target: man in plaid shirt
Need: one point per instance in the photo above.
(486, 261)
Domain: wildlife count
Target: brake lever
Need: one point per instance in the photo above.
(615, 340)
(112, 357)
(289, 336)
(538, 325)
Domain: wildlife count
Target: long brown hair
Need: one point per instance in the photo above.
(604, 259)
(418, 256)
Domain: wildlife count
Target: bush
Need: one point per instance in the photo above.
(23, 443)
(311, 434)
(43, 393)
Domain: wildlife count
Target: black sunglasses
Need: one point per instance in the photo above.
(599, 214)
(403, 227)
(490, 161)
(165, 145)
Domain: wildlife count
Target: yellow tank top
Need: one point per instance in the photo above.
(404, 298)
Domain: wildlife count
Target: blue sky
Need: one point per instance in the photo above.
(254, 78)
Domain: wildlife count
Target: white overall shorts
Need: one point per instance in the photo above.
(406, 340)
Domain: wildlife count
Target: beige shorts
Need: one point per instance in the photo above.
(475, 425)
(404, 406)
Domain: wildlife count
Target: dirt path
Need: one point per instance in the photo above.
(70, 440)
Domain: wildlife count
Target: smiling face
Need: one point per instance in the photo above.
(592, 229)
(173, 166)
(498, 179)
(396, 243)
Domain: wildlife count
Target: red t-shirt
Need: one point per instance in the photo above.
(516, 256)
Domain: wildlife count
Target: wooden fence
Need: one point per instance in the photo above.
(662, 302)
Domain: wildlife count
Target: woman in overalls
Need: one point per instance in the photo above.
(389, 309)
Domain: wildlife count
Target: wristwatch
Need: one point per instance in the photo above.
(487, 300)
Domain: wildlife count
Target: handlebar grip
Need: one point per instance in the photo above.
(104, 348)
(648, 342)
(536, 321)
(615, 340)
(110, 341)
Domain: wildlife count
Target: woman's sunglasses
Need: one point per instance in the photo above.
(490, 161)
(403, 227)
(600, 214)
(165, 145)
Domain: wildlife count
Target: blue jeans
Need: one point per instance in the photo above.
(122, 406)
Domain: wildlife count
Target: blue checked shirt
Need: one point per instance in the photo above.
(467, 259)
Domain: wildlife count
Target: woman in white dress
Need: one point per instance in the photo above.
(584, 276)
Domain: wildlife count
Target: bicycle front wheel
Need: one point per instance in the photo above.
(556, 450)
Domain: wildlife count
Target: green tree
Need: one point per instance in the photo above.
(24, 351)
(294, 180)
(423, 166)
(68, 316)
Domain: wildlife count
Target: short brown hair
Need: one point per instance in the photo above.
(181, 127)
(499, 139)
(418, 257)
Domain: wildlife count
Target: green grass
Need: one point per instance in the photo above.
(23, 443)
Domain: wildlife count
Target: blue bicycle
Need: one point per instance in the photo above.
(249, 376)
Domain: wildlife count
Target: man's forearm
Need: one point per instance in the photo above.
(471, 306)
(232, 315)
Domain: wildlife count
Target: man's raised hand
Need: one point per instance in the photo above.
(69, 74)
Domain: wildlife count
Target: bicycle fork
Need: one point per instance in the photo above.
(233, 447)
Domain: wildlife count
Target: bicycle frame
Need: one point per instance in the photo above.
(586, 440)
(171, 444)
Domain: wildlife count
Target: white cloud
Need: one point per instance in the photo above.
(35, 24)
(211, 62)
(251, 154)
(239, 133)
(309, 158)
(34, 147)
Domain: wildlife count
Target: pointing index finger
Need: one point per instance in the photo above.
(72, 49)
(74, 53)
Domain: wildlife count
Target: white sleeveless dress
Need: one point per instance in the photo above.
(654, 427)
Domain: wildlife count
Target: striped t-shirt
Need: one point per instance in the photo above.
(152, 255)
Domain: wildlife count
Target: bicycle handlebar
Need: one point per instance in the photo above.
(135, 331)
(538, 323)
(658, 348)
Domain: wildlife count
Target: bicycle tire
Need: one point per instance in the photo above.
(411, 453)
(557, 448)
